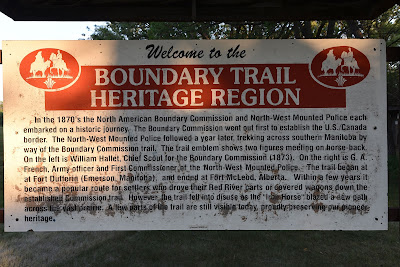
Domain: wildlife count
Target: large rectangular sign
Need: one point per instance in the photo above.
(244, 134)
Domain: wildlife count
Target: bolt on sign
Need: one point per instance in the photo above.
(207, 135)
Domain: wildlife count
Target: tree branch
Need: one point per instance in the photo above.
(321, 26)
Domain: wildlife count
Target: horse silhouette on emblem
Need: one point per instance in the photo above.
(346, 60)
(349, 62)
(58, 64)
(330, 63)
(39, 65)
(339, 66)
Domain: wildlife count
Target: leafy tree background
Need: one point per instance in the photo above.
(385, 27)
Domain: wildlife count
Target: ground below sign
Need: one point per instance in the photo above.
(244, 134)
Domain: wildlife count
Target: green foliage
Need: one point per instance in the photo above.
(154, 30)
(121, 31)
(181, 30)
(385, 27)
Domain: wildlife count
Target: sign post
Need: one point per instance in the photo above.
(210, 135)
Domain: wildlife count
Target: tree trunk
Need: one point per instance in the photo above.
(354, 29)
(306, 29)
(331, 29)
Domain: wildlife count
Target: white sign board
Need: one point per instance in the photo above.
(244, 134)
